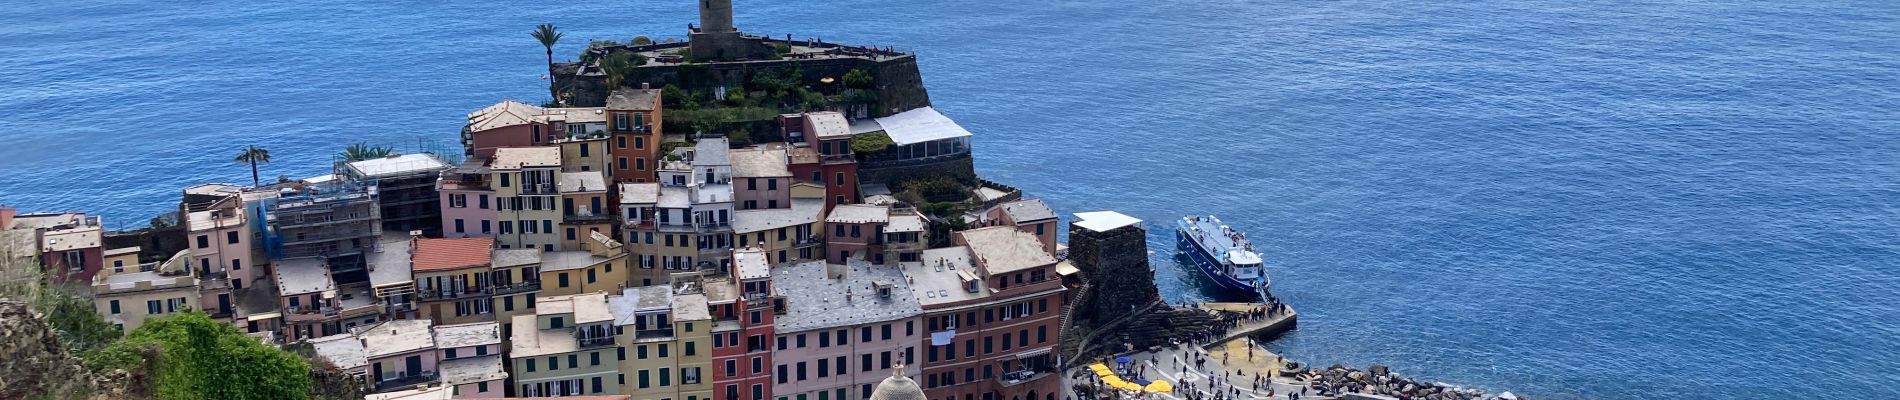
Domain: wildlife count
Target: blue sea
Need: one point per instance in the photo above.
(1604, 200)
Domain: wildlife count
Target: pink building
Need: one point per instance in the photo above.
(399, 354)
(1032, 216)
(219, 243)
(469, 207)
(844, 329)
(856, 232)
(506, 124)
(760, 179)
(471, 361)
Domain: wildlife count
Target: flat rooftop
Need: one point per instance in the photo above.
(802, 211)
(634, 301)
(1024, 211)
(906, 223)
(1103, 221)
(634, 99)
(751, 263)
(471, 370)
(1004, 249)
(126, 281)
(922, 124)
(303, 275)
(858, 214)
(526, 157)
(213, 219)
(504, 258)
(399, 165)
(639, 193)
(529, 342)
(396, 337)
(568, 260)
(391, 265)
(346, 351)
(828, 125)
(587, 307)
(582, 181)
(813, 300)
(467, 335)
(711, 152)
(758, 163)
(690, 307)
(71, 239)
(941, 275)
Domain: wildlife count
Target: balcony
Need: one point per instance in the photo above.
(1013, 378)
(812, 241)
(405, 381)
(447, 294)
(512, 288)
(394, 308)
(586, 217)
(660, 333)
(539, 189)
(596, 341)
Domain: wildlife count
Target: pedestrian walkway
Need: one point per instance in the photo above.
(1229, 363)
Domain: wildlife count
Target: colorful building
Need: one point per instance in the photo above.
(633, 121)
(530, 202)
(566, 348)
(844, 328)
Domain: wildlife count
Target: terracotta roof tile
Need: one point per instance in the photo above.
(442, 254)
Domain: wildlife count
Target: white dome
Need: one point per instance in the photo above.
(897, 387)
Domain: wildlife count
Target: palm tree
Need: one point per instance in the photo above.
(253, 155)
(362, 151)
(615, 67)
(548, 36)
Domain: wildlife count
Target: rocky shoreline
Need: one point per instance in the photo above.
(1379, 381)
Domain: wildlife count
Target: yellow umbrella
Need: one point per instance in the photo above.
(1126, 385)
(1112, 380)
(1159, 386)
(1104, 373)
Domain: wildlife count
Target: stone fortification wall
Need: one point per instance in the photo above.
(898, 83)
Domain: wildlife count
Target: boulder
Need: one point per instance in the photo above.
(1377, 369)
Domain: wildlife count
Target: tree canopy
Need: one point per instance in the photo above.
(200, 358)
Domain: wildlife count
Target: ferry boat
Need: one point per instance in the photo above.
(1222, 253)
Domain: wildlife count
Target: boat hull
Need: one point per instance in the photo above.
(1204, 262)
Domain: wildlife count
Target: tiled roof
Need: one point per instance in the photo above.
(446, 254)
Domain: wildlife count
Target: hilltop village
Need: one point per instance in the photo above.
(591, 250)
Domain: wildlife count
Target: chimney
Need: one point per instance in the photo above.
(835, 271)
(645, 86)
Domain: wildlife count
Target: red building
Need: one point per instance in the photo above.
(996, 319)
(821, 153)
(70, 244)
(743, 307)
(633, 120)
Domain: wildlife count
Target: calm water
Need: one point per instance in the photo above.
(1611, 200)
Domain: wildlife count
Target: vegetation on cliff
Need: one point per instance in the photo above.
(200, 358)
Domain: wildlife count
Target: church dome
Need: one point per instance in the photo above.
(897, 387)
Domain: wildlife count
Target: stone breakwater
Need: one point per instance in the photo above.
(1378, 381)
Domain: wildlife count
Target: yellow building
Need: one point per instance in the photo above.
(451, 278)
(566, 348)
(584, 153)
(530, 204)
(584, 207)
(692, 323)
(514, 278)
(127, 298)
(603, 267)
(784, 234)
(122, 259)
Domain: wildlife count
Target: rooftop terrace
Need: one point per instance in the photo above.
(866, 294)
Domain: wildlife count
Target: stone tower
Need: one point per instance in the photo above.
(716, 39)
(715, 16)
(1112, 250)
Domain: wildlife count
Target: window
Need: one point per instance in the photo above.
(839, 179)
(783, 377)
(824, 368)
(504, 179)
(459, 227)
(115, 307)
(573, 361)
(481, 201)
(449, 353)
(530, 365)
(801, 371)
(485, 227)
(562, 277)
(204, 241)
(666, 377)
(642, 378)
(732, 368)
(584, 150)
(554, 363)
(593, 358)
(691, 350)
(458, 200)
(638, 163)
